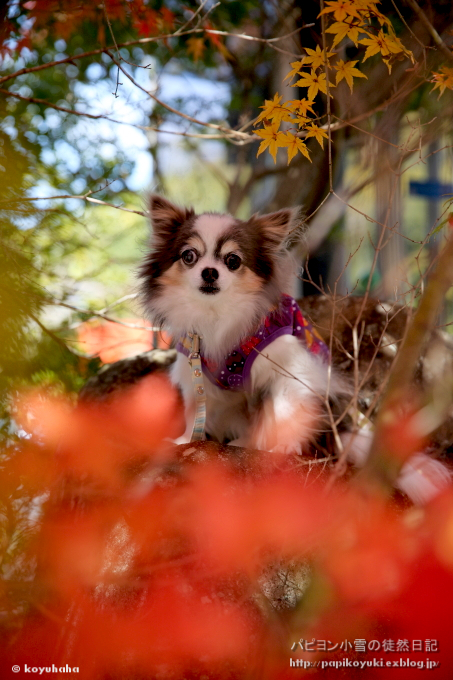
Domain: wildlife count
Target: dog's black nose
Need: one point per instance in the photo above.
(209, 275)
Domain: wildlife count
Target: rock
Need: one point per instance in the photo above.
(112, 378)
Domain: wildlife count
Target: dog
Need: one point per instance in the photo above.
(223, 283)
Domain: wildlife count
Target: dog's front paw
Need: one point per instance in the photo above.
(288, 449)
(183, 439)
(240, 441)
(284, 430)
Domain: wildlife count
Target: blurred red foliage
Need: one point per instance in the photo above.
(147, 563)
(112, 341)
(42, 19)
(62, 19)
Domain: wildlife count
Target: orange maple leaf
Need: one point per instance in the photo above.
(196, 47)
(443, 80)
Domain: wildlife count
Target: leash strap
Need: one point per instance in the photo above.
(198, 432)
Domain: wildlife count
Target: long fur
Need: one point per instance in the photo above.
(188, 286)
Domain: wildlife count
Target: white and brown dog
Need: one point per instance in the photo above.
(267, 376)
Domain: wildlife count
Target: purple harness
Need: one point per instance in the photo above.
(233, 372)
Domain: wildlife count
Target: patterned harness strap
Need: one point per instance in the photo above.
(233, 373)
(198, 432)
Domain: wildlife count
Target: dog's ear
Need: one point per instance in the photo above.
(166, 218)
(276, 227)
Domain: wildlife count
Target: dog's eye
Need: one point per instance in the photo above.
(189, 256)
(232, 261)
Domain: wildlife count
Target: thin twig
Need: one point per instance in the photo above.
(268, 41)
(91, 313)
(326, 71)
(197, 13)
(35, 100)
(408, 27)
(83, 197)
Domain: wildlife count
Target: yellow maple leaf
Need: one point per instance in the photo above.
(300, 106)
(316, 57)
(318, 133)
(294, 145)
(283, 113)
(271, 138)
(297, 65)
(381, 43)
(344, 29)
(270, 108)
(275, 111)
(375, 45)
(342, 9)
(443, 80)
(367, 8)
(347, 71)
(379, 16)
(315, 82)
(396, 46)
(196, 47)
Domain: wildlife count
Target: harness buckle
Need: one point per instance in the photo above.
(195, 348)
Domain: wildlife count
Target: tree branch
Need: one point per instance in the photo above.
(228, 132)
(35, 100)
(103, 116)
(59, 341)
(139, 41)
(431, 30)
